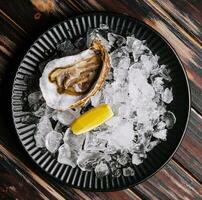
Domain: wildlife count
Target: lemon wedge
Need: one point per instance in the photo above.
(91, 119)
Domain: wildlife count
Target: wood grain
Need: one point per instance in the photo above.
(13, 185)
(187, 14)
(171, 183)
(38, 15)
(178, 21)
(189, 154)
(18, 168)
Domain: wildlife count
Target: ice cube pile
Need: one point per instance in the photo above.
(136, 91)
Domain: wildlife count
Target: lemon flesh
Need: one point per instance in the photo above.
(91, 119)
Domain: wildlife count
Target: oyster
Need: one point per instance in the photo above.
(69, 82)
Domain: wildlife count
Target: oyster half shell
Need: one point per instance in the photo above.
(69, 82)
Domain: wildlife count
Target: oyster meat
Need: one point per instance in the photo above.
(69, 82)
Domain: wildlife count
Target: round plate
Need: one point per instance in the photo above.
(73, 28)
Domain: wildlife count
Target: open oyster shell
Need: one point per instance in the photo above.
(69, 82)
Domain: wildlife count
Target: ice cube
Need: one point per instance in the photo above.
(137, 65)
(111, 38)
(116, 40)
(164, 72)
(74, 141)
(104, 27)
(139, 88)
(52, 141)
(169, 119)
(147, 65)
(158, 84)
(35, 98)
(49, 112)
(107, 157)
(167, 95)
(39, 140)
(137, 48)
(136, 159)
(110, 149)
(107, 94)
(123, 158)
(29, 119)
(129, 43)
(161, 134)
(123, 135)
(119, 53)
(101, 169)
(157, 98)
(115, 168)
(59, 127)
(66, 48)
(160, 110)
(137, 148)
(88, 160)
(41, 111)
(161, 125)
(99, 34)
(94, 142)
(65, 156)
(95, 100)
(67, 117)
(143, 155)
(121, 71)
(137, 137)
(114, 164)
(128, 171)
(113, 121)
(151, 145)
(125, 111)
(116, 173)
(44, 126)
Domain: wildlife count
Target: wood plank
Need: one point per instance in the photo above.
(119, 195)
(41, 15)
(13, 186)
(187, 13)
(20, 169)
(171, 183)
(189, 154)
(10, 36)
(195, 84)
(38, 14)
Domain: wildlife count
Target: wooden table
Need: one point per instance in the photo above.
(178, 21)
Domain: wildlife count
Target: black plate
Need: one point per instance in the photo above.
(74, 28)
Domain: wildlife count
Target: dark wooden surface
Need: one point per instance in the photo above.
(179, 21)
